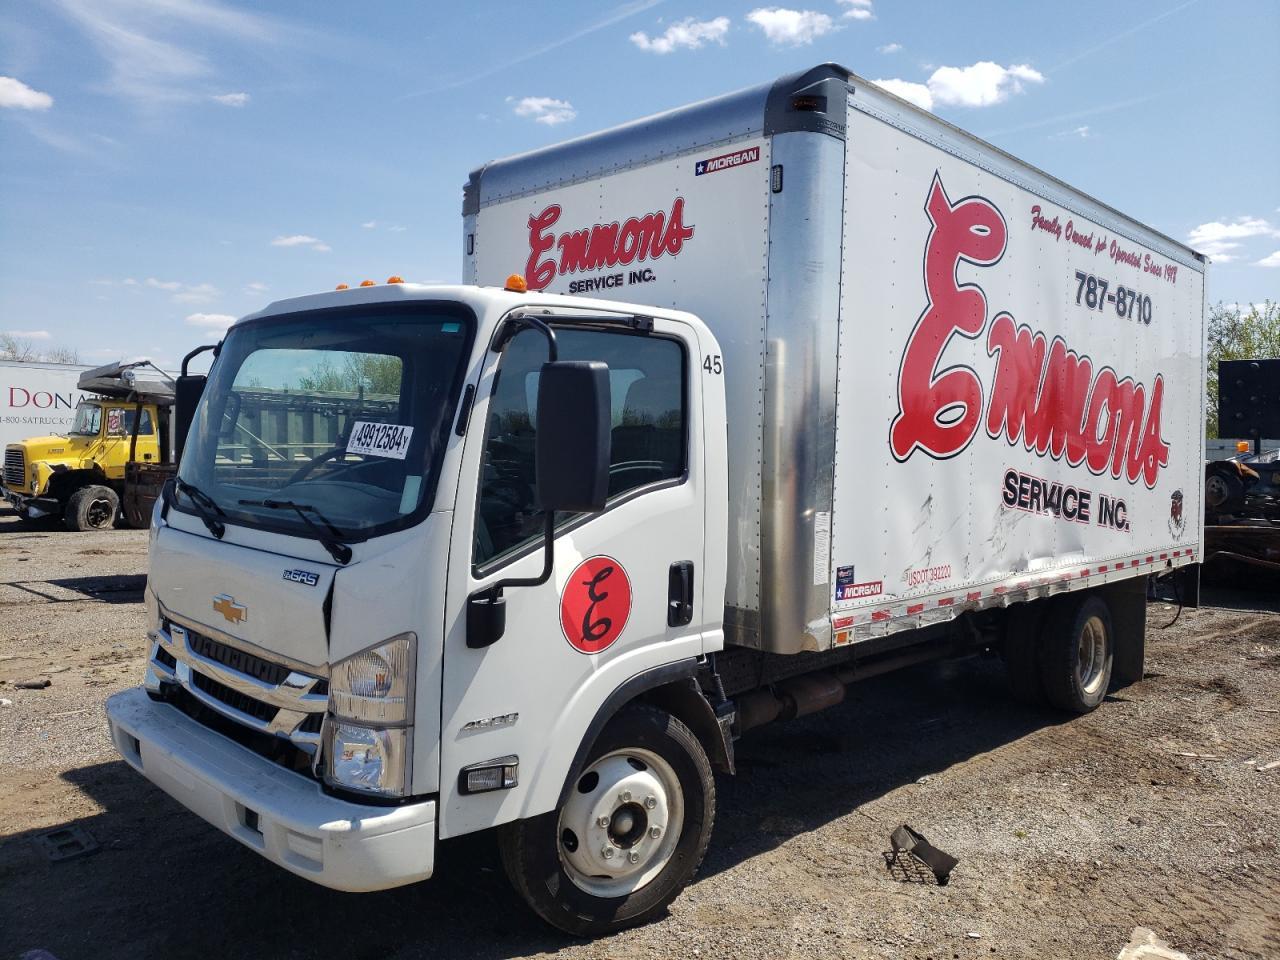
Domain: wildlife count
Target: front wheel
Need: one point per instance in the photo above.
(630, 835)
(92, 508)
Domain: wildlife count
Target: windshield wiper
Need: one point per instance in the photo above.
(339, 551)
(206, 508)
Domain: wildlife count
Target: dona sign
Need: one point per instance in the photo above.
(36, 399)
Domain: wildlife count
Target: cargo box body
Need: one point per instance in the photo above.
(952, 381)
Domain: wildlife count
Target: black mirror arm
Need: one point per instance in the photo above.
(196, 352)
(549, 524)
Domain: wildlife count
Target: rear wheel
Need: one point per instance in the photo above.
(630, 835)
(1077, 654)
(92, 508)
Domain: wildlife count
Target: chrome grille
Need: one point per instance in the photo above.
(240, 660)
(234, 698)
(15, 468)
(244, 687)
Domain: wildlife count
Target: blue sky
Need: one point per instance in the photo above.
(168, 164)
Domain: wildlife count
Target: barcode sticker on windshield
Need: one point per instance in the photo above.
(380, 439)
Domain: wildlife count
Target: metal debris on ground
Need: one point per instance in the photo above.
(1145, 945)
(913, 844)
(66, 843)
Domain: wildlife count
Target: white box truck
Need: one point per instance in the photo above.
(37, 398)
(784, 390)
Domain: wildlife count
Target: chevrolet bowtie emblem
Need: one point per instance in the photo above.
(227, 606)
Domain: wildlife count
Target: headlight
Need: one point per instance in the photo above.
(367, 758)
(375, 685)
(368, 736)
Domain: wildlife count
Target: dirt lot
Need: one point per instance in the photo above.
(1153, 811)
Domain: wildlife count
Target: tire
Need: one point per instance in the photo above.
(1223, 491)
(1022, 627)
(552, 861)
(1077, 653)
(92, 508)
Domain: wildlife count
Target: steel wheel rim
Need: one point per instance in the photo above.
(99, 513)
(1215, 491)
(622, 822)
(1091, 655)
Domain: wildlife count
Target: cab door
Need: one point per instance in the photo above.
(625, 593)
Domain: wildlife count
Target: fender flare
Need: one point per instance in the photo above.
(671, 686)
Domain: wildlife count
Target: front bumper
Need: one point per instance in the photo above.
(282, 815)
(34, 507)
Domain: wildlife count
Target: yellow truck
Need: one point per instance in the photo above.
(122, 423)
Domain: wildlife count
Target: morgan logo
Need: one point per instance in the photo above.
(726, 161)
(595, 604)
(1043, 394)
(602, 244)
(233, 612)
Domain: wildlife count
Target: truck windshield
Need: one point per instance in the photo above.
(344, 411)
(88, 420)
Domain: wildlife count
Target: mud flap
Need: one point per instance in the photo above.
(1128, 603)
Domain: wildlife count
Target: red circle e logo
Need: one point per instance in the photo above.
(595, 604)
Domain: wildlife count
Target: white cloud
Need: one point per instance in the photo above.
(1271, 260)
(231, 99)
(1221, 240)
(889, 48)
(301, 240)
(858, 9)
(211, 322)
(396, 228)
(1082, 132)
(688, 33)
(17, 95)
(917, 93)
(29, 334)
(153, 48)
(197, 293)
(369, 224)
(981, 84)
(546, 110)
(792, 28)
(163, 284)
(255, 286)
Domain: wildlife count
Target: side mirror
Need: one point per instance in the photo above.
(187, 390)
(574, 429)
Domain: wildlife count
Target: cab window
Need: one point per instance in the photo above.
(648, 442)
(120, 422)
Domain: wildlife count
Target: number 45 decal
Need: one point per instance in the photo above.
(712, 364)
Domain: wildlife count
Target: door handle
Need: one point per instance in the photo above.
(680, 593)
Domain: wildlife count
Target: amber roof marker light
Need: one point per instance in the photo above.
(516, 284)
(395, 278)
(343, 286)
(367, 283)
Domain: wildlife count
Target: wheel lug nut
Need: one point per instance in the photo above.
(655, 832)
(602, 822)
(650, 802)
(634, 858)
(625, 796)
(606, 852)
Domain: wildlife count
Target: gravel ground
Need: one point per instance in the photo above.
(1154, 811)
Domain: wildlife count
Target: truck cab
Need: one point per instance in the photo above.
(363, 639)
(79, 476)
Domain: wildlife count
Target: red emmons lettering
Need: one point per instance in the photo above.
(603, 244)
(1044, 395)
